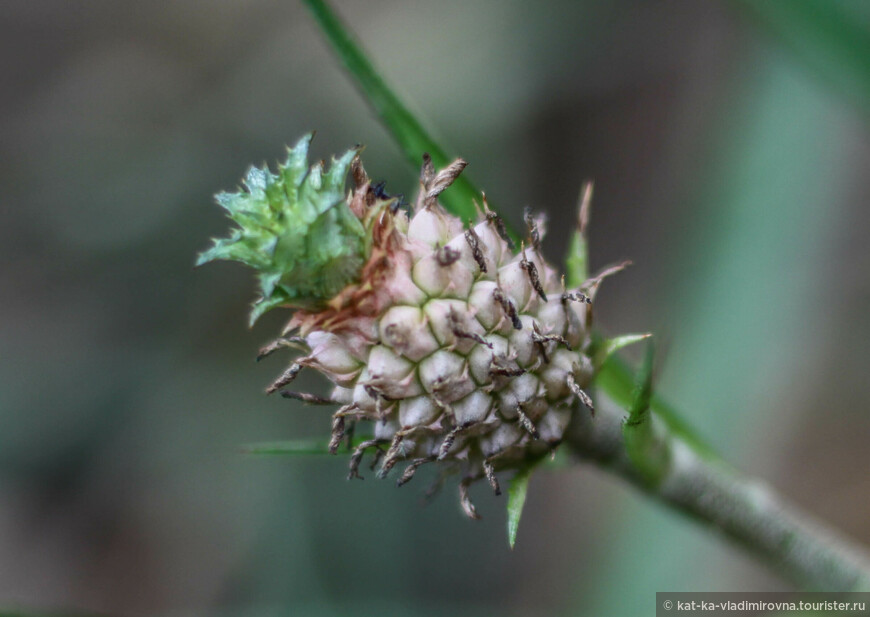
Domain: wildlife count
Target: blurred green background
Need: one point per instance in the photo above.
(732, 169)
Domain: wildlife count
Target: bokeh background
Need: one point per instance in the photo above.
(731, 167)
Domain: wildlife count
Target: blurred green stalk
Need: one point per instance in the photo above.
(827, 35)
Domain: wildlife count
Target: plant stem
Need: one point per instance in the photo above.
(743, 509)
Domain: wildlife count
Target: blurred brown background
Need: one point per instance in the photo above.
(733, 174)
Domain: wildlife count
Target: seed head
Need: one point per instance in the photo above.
(444, 344)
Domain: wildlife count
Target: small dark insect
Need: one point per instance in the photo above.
(380, 192)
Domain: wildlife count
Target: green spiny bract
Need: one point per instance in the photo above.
(457, 347)
(295, 228)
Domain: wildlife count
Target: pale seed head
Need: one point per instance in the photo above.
(457, 347)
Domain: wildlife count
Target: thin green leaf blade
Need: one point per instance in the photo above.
(610, 346)
(406, 129)
(516, 500)
(298, 447)
(287, 448)
(831, 38)
(616, 378)
(577, 261)
(638, 412)
(647, 447)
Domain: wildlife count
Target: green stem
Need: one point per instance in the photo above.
(715, 494)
